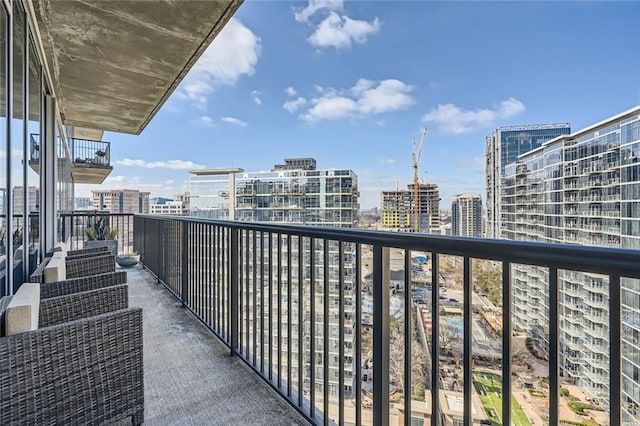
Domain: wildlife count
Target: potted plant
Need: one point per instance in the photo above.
(128, 259)
(98, 234)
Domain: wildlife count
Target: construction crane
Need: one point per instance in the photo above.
(415, 157)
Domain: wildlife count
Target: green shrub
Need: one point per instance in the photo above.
(564, 392)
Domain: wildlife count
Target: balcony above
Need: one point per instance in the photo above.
(104, 81)
(90, 160)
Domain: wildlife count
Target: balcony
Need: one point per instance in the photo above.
(189, 375)
(241, 281)
(90, 160)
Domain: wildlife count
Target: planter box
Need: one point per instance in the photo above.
(112, 244)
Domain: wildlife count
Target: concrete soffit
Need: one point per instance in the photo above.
(113, 64)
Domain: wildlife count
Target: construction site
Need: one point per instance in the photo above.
(416, 208)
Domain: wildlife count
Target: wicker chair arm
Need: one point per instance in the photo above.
(88, 371)
(57, 310)
(77, 285)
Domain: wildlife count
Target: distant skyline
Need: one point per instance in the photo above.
(350, 84)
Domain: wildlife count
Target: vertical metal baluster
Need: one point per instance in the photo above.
(435, 341)
(325, 286)
(234, 270)
(408, 334)
(466, 347)
(212, 280)
(506, 343)
(289, 307)
(229, 279)
(255, 298)
(380, 336)
(357, 345)
(240, 288)
(341, 333)
(262, 302)
(615, 350)
(554, 346)
(312, 309)
(247, 258)
(301, 340)
(279, 317)
(214, 273)
(270, 302)
(219, 289)
(185, 262)
(199, 262)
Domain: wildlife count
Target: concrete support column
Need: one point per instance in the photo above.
(232, 196)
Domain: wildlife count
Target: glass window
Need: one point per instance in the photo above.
(33, 128)
(18, 146)
(3, 145)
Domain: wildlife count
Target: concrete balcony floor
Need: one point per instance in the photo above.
(189, 376)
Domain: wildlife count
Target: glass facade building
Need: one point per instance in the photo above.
(582, 188)
(294, 193)
(466, 215)
(503, 147)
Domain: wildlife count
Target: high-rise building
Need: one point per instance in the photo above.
(290, 195)
(121, 200)
(174, 208)
(466, 215)
(399, 208)
(503, 146)
(83, 203)
(581, 188)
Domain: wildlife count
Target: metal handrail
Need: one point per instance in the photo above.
(221, 271)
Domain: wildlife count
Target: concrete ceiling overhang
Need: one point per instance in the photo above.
(115, 63)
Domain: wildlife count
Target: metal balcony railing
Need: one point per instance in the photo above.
(83, 151)
(230, 276)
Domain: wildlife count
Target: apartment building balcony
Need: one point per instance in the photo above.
(90, 160)
(222, 328)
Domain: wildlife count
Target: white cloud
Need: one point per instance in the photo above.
(333, 28)
(365, 98)
(234, 121)
(205, 120)
(290, 91)
(293, 105)
(255, 96)
(341, 32)
(388, 161)
(234, 53)
(171, 164)
(453, 119)
(314, 6)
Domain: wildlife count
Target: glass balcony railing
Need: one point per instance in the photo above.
(395, 353)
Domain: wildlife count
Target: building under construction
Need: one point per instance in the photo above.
(399, 208)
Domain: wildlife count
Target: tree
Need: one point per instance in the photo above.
(488, 280)
(448, 333)
(419, 359)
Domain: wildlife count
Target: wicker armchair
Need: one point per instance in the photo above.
(80, 267)
(83, 365)
(77, 285)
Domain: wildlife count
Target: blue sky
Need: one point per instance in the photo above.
(350, 83)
